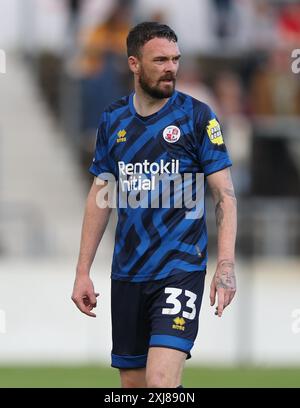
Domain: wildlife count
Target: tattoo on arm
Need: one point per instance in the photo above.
(225, 277)
(219, 213)
(219, 196)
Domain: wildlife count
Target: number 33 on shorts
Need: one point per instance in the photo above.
(190, 299)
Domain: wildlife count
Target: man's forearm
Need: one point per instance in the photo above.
(226, 220)
(224, 283)
(94, 224)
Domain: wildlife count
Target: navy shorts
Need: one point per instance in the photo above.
(161, 313)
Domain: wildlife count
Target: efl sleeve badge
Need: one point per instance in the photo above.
(214, 132)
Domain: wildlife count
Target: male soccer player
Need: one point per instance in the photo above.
(160, 254)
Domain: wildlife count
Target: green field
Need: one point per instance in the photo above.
(96, 376)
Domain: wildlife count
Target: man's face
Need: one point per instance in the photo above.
(158, 66)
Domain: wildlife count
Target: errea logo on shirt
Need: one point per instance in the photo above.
(214, 132)
(179, 323)
(121, 136)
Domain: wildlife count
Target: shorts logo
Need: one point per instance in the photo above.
(179, 323)
(171, 134)
(121, 136)
(214, 132)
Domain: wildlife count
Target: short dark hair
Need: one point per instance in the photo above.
(144, 32)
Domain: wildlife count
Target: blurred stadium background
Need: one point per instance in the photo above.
(65, 61)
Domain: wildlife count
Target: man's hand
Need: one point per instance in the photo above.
(224, 284)
(84, 295)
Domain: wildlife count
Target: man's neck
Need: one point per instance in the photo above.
(145, 105)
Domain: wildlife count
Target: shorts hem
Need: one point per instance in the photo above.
(126, 361)
(179, 343)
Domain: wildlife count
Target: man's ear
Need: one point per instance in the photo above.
(134, 64)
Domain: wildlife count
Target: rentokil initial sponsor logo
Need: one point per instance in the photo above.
(132, 176)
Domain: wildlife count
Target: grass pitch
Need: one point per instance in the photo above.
(102, 377)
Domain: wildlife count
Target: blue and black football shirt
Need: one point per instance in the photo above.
(153, 239)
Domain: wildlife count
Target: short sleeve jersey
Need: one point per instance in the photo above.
(156, 238)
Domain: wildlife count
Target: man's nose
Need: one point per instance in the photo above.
(171, 66)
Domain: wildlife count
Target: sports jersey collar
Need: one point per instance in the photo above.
(134, 112)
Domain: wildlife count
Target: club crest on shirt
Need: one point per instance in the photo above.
(171, 134)
(214, 132)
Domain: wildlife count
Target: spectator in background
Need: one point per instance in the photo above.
(107, 37)
(190, 81)
(74, 8)
(289, 23)
(224, 24)
(263, 25)
(274, 90)
(230, 97)
(102, 71)
(275, 99)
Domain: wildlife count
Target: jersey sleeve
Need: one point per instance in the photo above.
(101, 161)
(212, 152)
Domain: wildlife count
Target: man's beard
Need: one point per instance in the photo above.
(155, 91)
